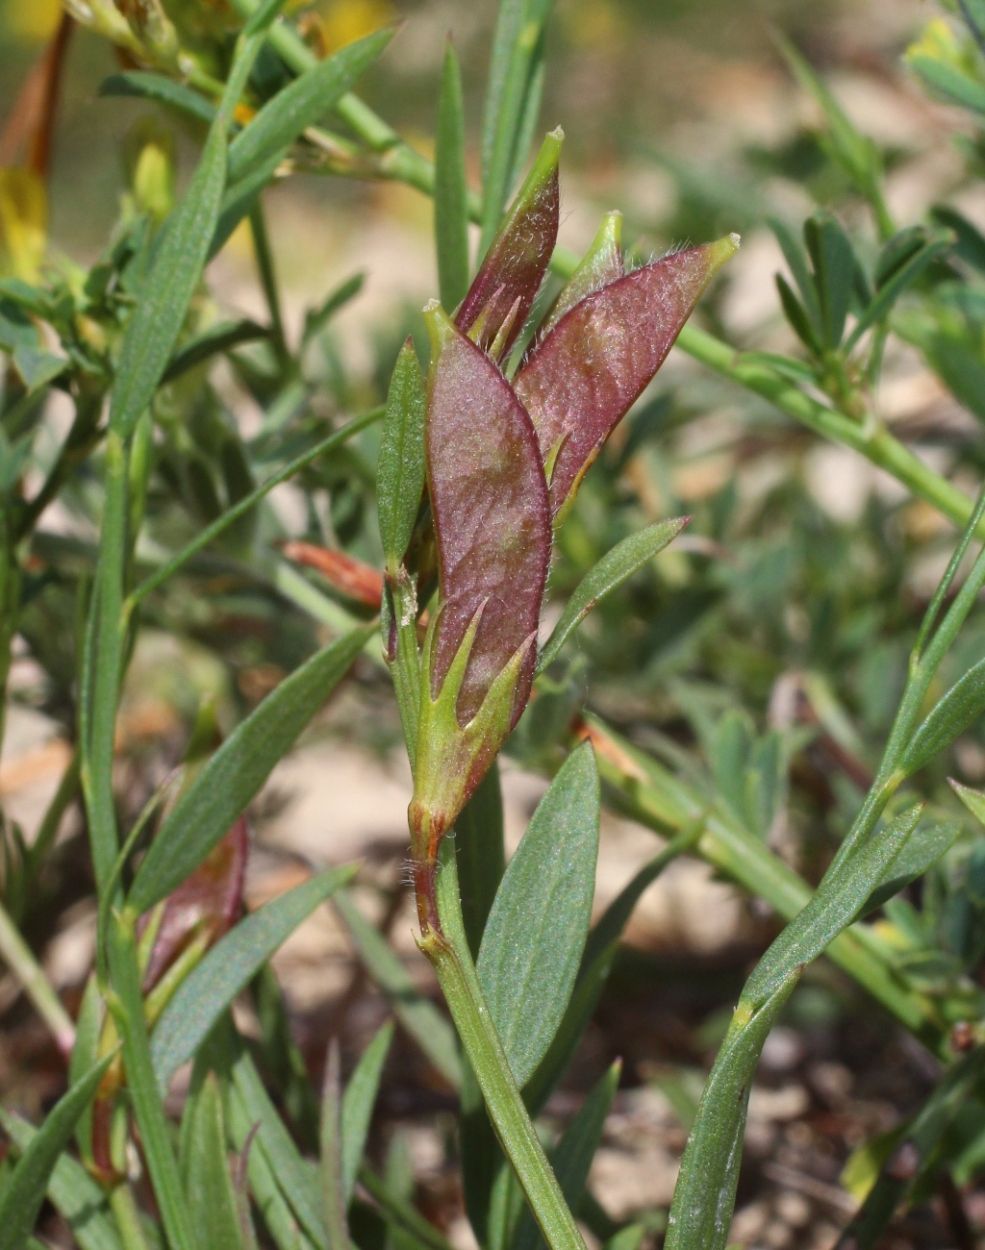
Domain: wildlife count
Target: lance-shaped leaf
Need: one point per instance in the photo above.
(583, 376)
(501, 296)
(490, 505)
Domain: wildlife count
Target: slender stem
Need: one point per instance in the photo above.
(452, 962)
(663, 803)
(127, 1217)
(103, 666)
(126, 1000)
(866, 436)
(268, 281)
(20, 959)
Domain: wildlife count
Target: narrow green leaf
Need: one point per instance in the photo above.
(211, 1196)
(612, 570)
(836, 902)
(536, 930)
(948, 81)
(856, 153)
(793, 254)
(957, 711)
(418, 1015)
(218, 338)
(600, 950)
(23, 1194)
(512, 79)
(572, 1157)
(156, 321)
(504, 40)
(451, 220)
(301, 104)
(701, 1212)
(71, 1190)
(286, 1178)
(229, 966)
(480, 854)
(221, 790)
(921, 849)
(357, 1105)
(330, 1152)
(902, 277)
(400, 469)
(974, 800)
(146, 85)
(835, 267)
(266, 1178)
(796, 314)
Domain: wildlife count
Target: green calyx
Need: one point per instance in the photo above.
(453, 758)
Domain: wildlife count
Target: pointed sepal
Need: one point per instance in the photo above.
(514, 266)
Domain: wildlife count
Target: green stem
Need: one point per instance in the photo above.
(126, 1001)
(866, 436)
(660, 801)
(20, 959)
(452, 962)
(127, 1216)
(102, 670)
(268, 281)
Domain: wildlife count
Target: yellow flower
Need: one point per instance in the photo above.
(23, 223)
(33, 19)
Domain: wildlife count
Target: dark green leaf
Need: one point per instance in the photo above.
(72, 1191)
(167, 290)
(301, 104)
(210, 988)
(835, 268)
(970, 245)
(896, 278)
(212, 1199)
(612, 570)
(793, 254)
(794, 312)
(23, 1194)
(480, 854)
(704, 1196)
(218, 338)
(835, 904)
(536, 930)
(451, 219)
(357, 1105)
(145, 85)
(921, 849)
(220, 792)
(955, 712)
(400, 470)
